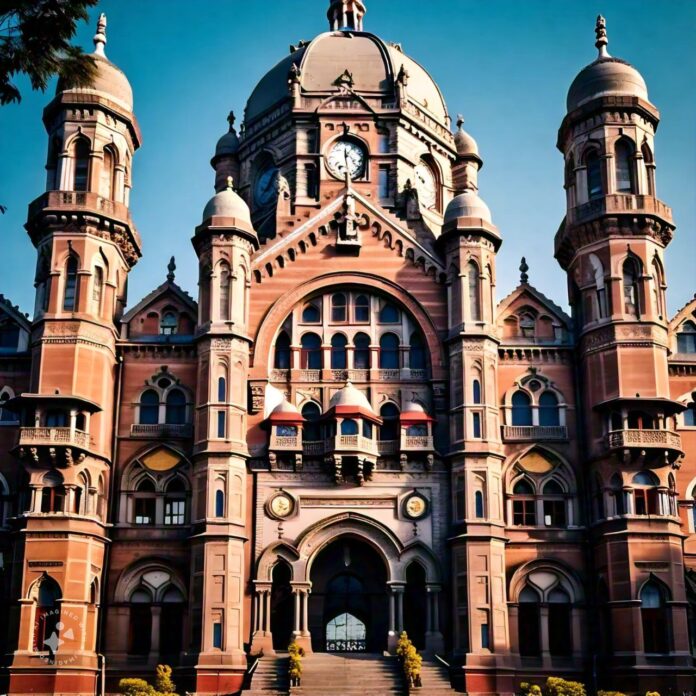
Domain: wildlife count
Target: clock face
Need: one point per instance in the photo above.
(344, 156)
(281, 505)
(426, 185)
(266, 188)
(416, 506)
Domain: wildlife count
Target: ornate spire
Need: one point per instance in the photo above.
(100, 37)
(171, 267)
(602, 40)
(460, 122)
(231, 119)
(524, 278)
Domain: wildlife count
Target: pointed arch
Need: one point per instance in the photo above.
(624, 163)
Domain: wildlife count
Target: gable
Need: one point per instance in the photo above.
(167, 311)
(15, 328)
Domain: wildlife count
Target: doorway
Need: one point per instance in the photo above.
(282, 610)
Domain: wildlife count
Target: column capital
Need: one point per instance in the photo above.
(262, 585)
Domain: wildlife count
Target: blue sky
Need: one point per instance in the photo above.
(505, 64)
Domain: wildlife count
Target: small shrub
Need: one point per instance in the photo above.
(610, 693)
(652, 693)
(296, 653)
(135, 687)
(411, 661)
(163, 681)
(555, 686)
(530, 689)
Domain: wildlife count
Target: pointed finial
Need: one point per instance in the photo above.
(230, 183)
(524, 278)
(460, 121)
(231, 119)
(171, 267)
(100, 37)
(602, 40)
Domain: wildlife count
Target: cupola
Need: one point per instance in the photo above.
(346, 15)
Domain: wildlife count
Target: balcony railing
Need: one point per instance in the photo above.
(619, 439)
(619, 203)
(389, 375)
(385, 447)
(417, 442)
(289, 443)
(278, 375)
(161, 430)
(530, 433)
(86, 200)
(313, 447)
(54, 436)
(309, 375)
(350, 443)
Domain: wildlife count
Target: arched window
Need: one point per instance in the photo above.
(417, 354)
(554, 504)
(81, 153)
(521, 409)
(219, 503)
(338, 307)
(389, 314)
(472, 272)
(97, 288)
(362, 309)
(478, 505)
(361, 353)
(149, 408)
(560, 630)
(175, 503)
(523, 504)
(476, 391)
(528, 623)
(617, 493)
(594, 174)
(549, 411)
(6, 416)
(631, 276)
(686, 338)
(600, 289)
(175, 411)
(70, 291)
(53, 493)
(349, 427)
(225, 280)
(527, 325)
(310, 356)
(311, 430)
(640, 420)
(144, 502)
(311, 314)
(140, 623)
(282, 352)
(338, 352)
(389, 358)
(689, 415)
(222, 390)
(658, 291)
(389, 430)
(107, 175)
(47, 617)
(655, 618)
(623, 154)
(169, 324)
(645, 493)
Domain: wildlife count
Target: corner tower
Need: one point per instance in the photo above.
(86, 244)
(611, 244)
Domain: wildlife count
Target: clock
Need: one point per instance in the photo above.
(281, 505)
(426, 185)
(415, 506)
(266, 187)
(346, 155)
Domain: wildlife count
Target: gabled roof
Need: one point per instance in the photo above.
(14, 312)
(169, 287)
(527, 290)
(688, 311)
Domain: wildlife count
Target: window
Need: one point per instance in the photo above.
(383, 183)
(639, 420)
(389, 430)
(527, 325)
(221, 423)
(149, 408)
(655, 618)
(361, 354)
(367, 429)
(225, 279)
(97, 288)
(106, 177)
(472, 272)
(598, 274)
(686, 338)
(219, 503)
(645, 499)
(362, 309)
(549, 412)
(81, 153)
(338, 307)
(311, 313)
(311, 430)
(389, 352)
(617, 493)
(417, 356)
(657, 285)
(56, 419)
(631, 275)
(690, 415)
(175, 503)
(9, 333)
(594, 174)
(560, 630)
(282, 352)
(47, 616)
(53, 493)
(476, 422)
(144, 503)
(478, 505)
(338, 352)
(310, 356)
(175, 413)
(523, 505)
(417, 430)
(521, 409)
(70, 292)
(460, 497)
(623, 154)
(528, 622)
(217, 635)
(312, 180)
(222, 390)
(554, 505)
(476, 391)
(349, 427)
(389, 314)
(485, 644)
(168, 325)
(140, 623)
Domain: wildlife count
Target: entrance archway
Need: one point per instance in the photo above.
(282, 611)
(415, 605)
(348, 607)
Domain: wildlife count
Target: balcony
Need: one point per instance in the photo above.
(79, 200)
(534, 433)
(645, 439)
(161, 430)
(313, 448)
(417, 443)
(350, 444)
(286, 443)
(618, 203)
(52, 437)
(387, 447)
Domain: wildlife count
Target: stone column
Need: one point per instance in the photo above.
(262, 638)
(302, 634)
(298, 600)
(434, 640)
(305, 612)
(267, 612)
(155, 634)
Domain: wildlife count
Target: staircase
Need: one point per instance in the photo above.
(270, 678)
(435, 678)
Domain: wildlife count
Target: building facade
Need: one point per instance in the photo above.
(336, 453)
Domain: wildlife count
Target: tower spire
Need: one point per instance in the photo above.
(171, 268)
(602, 40)
(524, 278)
(100, 37)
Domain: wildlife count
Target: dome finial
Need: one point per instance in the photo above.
(602, 40)
(231, 119)
(100, 37)
(229, 183)
(171, 267)
(524, 278)
(460, 121)
(346, 15)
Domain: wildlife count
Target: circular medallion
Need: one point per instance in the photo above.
(426, 185)
(345, 155)
(281, 505)
(415, 506)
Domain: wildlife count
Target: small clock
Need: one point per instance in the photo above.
(415, 506)
(281, 505)
(426, 185)
(266, 187)
(346, 155)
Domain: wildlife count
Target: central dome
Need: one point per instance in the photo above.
(371, 63)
